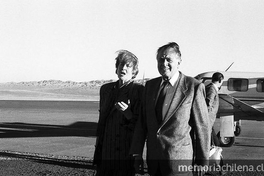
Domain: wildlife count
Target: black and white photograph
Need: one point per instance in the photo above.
(125, 88)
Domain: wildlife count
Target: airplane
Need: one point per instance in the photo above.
(241, 98)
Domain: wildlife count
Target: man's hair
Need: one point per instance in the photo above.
(124, 57)
(217, 76)
(173, 45)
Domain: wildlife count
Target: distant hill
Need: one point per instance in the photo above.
(53, 90)
(58, 83)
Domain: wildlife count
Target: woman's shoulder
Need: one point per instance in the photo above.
(110, 84)
(138, 85)
(136, 89)
(107, 86)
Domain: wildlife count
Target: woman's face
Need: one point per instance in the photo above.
(125, 71)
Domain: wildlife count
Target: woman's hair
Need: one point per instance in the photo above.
(125, 57)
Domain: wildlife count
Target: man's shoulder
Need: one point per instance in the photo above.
(190, 80)
(210, 87)
(153, 81)
(187, 79)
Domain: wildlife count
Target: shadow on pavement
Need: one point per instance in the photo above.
(66, 162)
(16, 130)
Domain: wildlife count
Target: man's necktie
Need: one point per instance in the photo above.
(160, 101)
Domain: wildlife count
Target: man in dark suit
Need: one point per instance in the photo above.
(174, 120)
(212, 101)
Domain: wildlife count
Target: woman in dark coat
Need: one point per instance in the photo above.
(119, 110)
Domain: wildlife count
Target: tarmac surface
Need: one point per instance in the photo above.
(61, 142)
(47, 137)
(28, 164)
(75, 158)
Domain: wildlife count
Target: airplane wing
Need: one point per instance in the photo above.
(240, 109)
(245, 106)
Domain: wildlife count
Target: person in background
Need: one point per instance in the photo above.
(119, 109)
(174, 120)
(212, 101)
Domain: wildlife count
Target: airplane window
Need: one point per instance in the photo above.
(236, 84)
(260, 85)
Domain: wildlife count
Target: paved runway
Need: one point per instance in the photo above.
(48, 127)
(249, 145)
(69, 132)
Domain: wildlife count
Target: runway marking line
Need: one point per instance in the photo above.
(250, 138)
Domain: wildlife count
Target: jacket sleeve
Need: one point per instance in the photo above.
(201, 126)
(100, 125)
(210, 96)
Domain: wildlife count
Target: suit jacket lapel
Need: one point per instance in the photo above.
(177, 98)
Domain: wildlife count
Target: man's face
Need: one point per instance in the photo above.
(125, 71)
(220, 84)
(168, 62)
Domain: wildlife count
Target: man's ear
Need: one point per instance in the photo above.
(179, 61)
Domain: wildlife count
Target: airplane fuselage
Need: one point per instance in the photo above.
(241, 98)
(239, 90)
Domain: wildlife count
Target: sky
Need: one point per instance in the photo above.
(77, 40)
